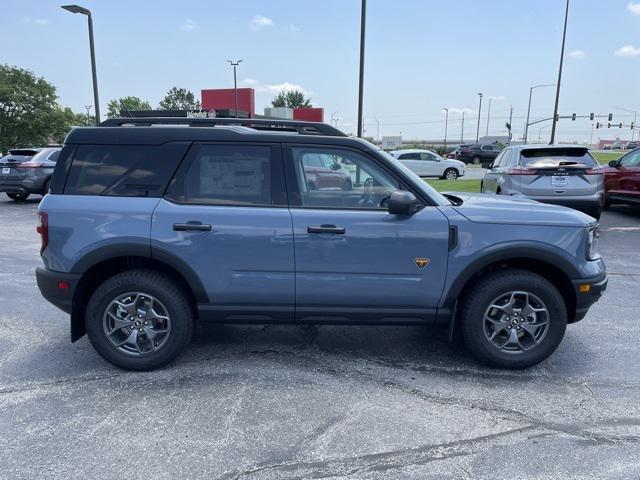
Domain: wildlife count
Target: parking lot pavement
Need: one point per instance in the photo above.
(291, 402)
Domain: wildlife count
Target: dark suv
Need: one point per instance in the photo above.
(478, 154)
(27, 170)
(149, 226)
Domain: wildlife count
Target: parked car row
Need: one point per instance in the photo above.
(27, 170)
(477, 154)
(427, 163)
(564, 175)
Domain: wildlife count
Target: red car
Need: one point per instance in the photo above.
(622, 179)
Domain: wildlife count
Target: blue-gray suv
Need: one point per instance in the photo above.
(152, 224)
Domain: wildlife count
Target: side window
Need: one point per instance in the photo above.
(54, 156)
(505, 158)
(409, 156)
(123, 170)
(631, 160)
(427, 156)
(498, 160)
(355, 182)
(227, 175)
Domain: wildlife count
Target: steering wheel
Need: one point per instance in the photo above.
(367, 192)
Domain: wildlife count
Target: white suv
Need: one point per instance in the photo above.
(427, 163)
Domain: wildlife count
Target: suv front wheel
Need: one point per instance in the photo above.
(139, 320)
(512, 319)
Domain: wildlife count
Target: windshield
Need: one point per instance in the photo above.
(554, 157)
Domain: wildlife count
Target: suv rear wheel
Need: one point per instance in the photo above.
(18, 197)
(476, 160)
(512, 319)
(139, 320)
(450, 174)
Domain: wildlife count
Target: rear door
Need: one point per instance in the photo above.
(225, 216)
(558, 172)
(431, 164)
(490, 179)
(354, 260)
(624, 181)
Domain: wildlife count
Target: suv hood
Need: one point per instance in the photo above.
(489, 208)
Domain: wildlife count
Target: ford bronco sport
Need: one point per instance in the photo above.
(151, 224)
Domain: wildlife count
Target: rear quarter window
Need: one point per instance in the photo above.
(123, 170)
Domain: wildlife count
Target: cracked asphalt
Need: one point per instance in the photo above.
(253, 402)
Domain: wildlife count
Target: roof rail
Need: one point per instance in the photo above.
(302, 128)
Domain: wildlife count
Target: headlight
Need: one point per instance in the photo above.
(593, 234)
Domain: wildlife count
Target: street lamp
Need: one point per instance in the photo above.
(555, 108)
(462, 129)
(363, 17)
(635, 118)
(446, 126)
(488, 115)
(87, 12)
(479, 110)
(235, 83)
(526, 127)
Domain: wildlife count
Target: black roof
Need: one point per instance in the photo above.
(159, 130)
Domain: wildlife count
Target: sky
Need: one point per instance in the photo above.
(421, 56)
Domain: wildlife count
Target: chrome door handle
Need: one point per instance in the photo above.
(327, 229)
(193, 226)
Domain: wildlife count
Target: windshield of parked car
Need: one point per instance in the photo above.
(555, 157)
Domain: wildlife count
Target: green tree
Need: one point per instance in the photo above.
(179, 99)
(115, 106)
(291, 99)
(27, 105)
(64, 119)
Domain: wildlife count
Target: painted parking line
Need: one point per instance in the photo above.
(621, 229)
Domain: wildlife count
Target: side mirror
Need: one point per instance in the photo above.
(613, 163)
(335, 166)
(402, 203)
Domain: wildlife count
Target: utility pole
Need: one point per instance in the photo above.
(478, 125)
(555, 108)
(235, 83)
(488, 115)
(377, 129)
(591, 138)
(88, 108)
(446, 126)
(510, 119)
(363, 17)
(462, 128)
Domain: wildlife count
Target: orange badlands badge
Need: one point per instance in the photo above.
(422, 262)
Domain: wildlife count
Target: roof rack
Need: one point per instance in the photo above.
(302, 128)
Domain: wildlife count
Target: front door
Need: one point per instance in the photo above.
(623, 181)
(354, 260)
(225, 217)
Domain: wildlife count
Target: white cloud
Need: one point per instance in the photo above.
(578, 54)
(293, 28)
(627, 51)
(459, 111)
(634, 7)
(258, 22)
(37, 21)
(273, 88)
(189, 25)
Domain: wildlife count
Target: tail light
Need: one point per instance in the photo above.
(30, 165)
(520, 171)
(43, 230)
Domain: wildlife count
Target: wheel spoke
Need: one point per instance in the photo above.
(512, 339)
(131, 340)
(118, 323)
(499, 327)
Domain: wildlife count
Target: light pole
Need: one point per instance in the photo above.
(591, 137)
(526, 127)
(446, 126)
(377, 129)
(88, 109)
(363, 17)
(87, 12)
(635, 117)
(462, 128)
(235, 83)
(479, 110)
(554, 120)
(488, 115)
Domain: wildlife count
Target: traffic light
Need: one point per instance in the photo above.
(610, 116)
(557, 117)
(620, 125)
(597, 124)
(632, 125)
(591, 115)
(609, 125)
(573, 117)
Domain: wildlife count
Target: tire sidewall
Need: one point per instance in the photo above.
(477, 304)
(152, 283)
